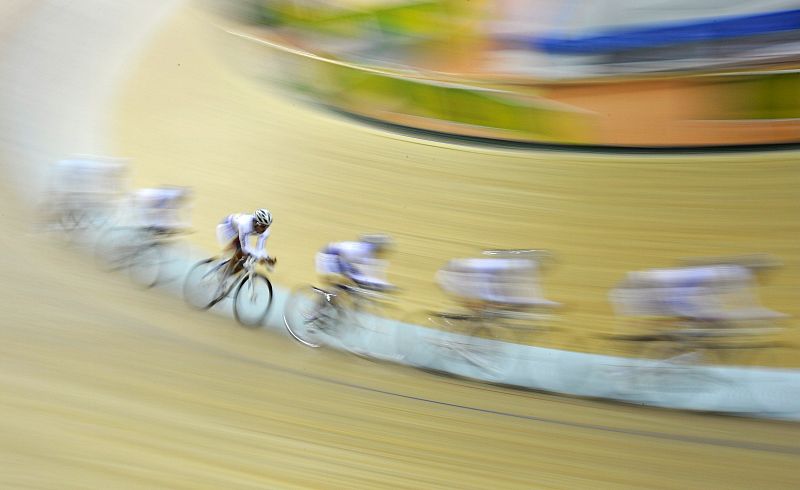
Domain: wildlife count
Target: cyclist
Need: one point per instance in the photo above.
(159, 209)
(359, 262)
(701, 296)
(84, 183)
(234, 233)
(479, 283)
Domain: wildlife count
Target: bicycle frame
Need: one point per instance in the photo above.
(461, 341)
(333, 308)
(247, 271)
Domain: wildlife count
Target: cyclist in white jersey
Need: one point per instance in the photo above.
(357, 261)
(159, 208)
(506, 282)
(234, 233)
(701, 296)
(83, 183)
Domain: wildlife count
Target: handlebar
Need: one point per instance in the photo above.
(251, 261)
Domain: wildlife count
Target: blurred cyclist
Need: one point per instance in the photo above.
(481, 283)
(234, 232)
(358, 262)
(159, 209)
(719, 295)
(83, 184)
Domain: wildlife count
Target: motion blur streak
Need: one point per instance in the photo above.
(106, 386)
(644, 73)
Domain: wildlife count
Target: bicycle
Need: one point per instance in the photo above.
(77, 215)
(352, 316)
(145, 252)
(209, 282)
(483, 338)
(700, 359)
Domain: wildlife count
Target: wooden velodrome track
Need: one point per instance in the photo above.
(105, 386)
(189, 116)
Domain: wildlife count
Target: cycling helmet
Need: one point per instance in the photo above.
(380, 240)
(262, 217)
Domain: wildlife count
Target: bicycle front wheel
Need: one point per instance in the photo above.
(306, 313)
(679, 376)
(145, 268)
(371, 331)
(202, 285)
(115, 248)
(101, 215)
(488, 350)
(421, 338)
(252, 300)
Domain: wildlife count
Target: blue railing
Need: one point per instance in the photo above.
(622, 39)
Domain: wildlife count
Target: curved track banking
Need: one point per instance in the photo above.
(106, 386)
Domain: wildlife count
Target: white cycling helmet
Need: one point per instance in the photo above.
(262, 217)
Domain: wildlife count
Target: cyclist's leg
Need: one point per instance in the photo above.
(237, 254)
(228, 239)
(225, 272)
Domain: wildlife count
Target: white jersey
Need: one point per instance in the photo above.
(716, 292)
(159, 207)
(240, 226)
(354, 260)
(352, 251)
(507, 281)
(691, 292)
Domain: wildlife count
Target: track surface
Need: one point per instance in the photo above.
(106, 386)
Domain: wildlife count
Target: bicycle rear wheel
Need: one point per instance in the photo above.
(252, 300)
(80, 221)
(202, 284)
(458, 344)
(306, 313)
(73, 223)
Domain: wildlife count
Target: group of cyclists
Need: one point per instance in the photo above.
(499, 279)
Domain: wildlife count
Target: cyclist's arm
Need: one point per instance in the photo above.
(259, 251)
(348, 260)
